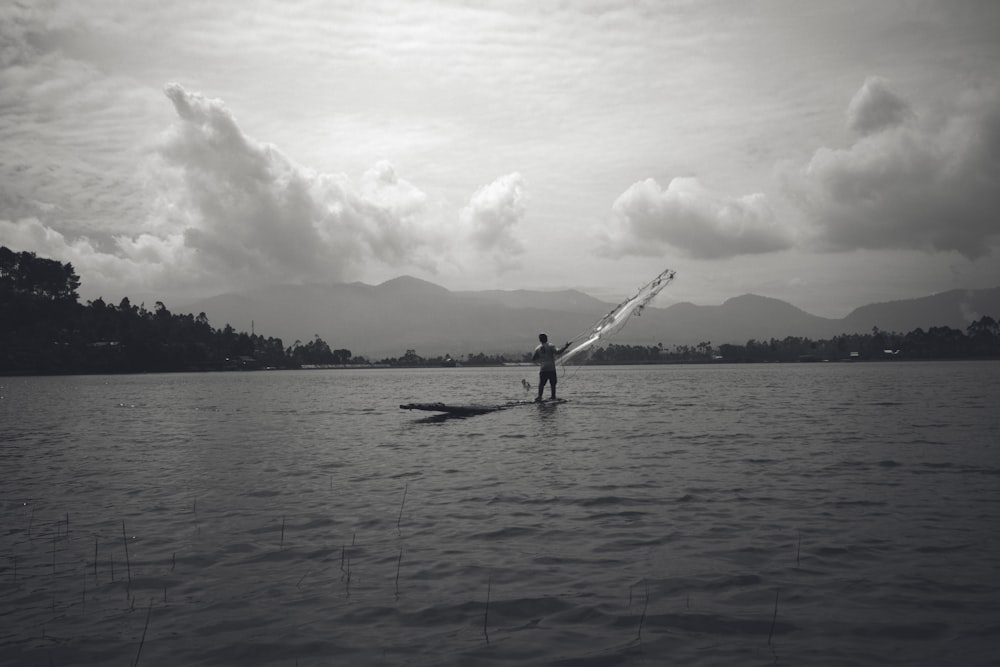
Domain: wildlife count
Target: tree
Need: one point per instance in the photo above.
(25, 273)
(984, 335)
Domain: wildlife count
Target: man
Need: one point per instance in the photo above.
(545, 355)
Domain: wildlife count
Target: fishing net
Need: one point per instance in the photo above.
(616, 320)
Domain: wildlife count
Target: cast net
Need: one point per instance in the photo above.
(616, 320)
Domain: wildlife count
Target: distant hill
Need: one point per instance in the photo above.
(385, 320)
(736, 321)
(564, 300)
(955, 309)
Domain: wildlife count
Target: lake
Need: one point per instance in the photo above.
(796, 514)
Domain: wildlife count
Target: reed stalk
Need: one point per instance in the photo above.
(642, 619)
(128, 563)
(774, 618)
(401, 505)
(282, 545)
(142, 641)
(347, 581)
(399, 562)
(486, 613)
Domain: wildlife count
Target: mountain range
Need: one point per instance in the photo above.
(406, 313)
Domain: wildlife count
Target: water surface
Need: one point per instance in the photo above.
(825, 514)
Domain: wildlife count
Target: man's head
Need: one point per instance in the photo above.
(543, 337)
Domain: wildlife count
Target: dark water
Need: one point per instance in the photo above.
(813, 514)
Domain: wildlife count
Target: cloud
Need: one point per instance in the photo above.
(908, 182)
(126, 269)
(68, 132)
(252, 212)
(226, 211)
(876, 107)
(492, 216)
(250, 215)
(688, 218)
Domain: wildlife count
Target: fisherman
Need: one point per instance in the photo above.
(545, 355)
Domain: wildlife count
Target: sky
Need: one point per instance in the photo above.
(830, 154)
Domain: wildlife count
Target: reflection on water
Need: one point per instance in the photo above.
(800, 514)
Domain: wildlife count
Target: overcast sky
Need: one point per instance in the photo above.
(830, 154)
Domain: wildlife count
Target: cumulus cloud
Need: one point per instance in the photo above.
(876, 107)
(688, 218)
(258, 216)
(492, 216)
(908, 182)
(127, 268)
(227, 211)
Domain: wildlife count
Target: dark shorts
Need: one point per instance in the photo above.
(547, 375)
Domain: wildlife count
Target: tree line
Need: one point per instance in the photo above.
(45, 329)
(980, 340)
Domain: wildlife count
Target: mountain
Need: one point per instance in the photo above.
(736, 321)
(565, 300)
(955, 309)
(403, 313)
(385, 320)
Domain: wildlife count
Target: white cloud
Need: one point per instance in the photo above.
(582, 99)
(227, 211)
(257, 216)
(30, 233)
(492, 217)
(876, 107)
(690, 219)
(108, 273)
(909, 182)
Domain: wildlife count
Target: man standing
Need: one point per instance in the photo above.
(545, 355)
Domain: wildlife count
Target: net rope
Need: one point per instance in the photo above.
(616, 320)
